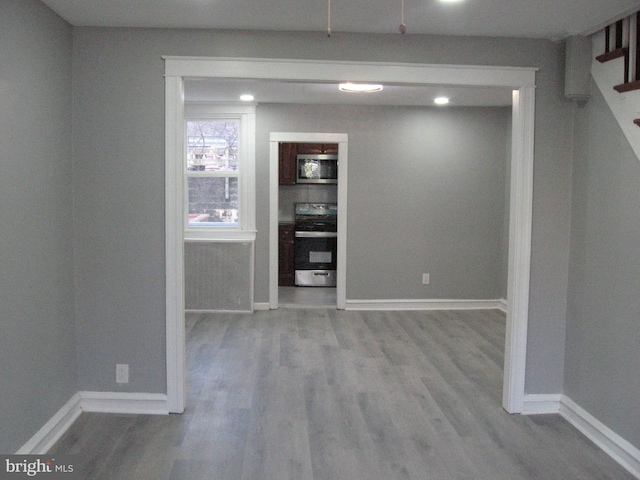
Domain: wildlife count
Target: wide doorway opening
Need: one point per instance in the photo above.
(520, 80)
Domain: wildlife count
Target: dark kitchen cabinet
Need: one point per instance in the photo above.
(287, 164)
(329, 148)
(286, 255)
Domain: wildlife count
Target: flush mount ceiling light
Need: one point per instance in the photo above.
(359, 87)
(441, 100)
(247, 97)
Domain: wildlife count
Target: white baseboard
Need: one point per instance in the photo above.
(541, 404)
(613, 444)
(610, 442)
(256, 306)
(502, 305)
(119, 402)
(426, 304)
(194, 310)
(51, 431)
(104, 402)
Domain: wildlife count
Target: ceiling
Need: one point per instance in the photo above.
(551, 19)
(548, 19)
(272, 91)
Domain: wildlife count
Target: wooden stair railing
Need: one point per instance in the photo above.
(619, 50)
(626, 44)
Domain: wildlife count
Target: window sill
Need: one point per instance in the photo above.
(216, 235)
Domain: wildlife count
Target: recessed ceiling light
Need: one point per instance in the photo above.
(441, 100)
(360, 87)
(451, 1)
(247, 97)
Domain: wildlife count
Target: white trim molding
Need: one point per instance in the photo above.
(627, 455)
(519, 263)
(609, 441)
(174, 247)
(425, 304)
(51, 431)
(103, 402)
(539, 404)
(331, 71)
(121, 402)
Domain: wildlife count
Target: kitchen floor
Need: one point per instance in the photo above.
(306, 297)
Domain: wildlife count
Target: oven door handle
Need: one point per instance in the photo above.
(316, 234)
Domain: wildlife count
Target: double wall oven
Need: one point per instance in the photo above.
(316, 244)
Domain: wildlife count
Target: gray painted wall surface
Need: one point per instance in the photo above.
(37, 342)
(118, 149)
(118, 155)
(603, 320)
(425, 195)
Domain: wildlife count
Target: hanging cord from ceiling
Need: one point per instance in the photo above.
(403, 27)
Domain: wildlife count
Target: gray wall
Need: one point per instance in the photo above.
(603, 326)
(118, 182)
(425, 195)
(37, 343)
(118, 155)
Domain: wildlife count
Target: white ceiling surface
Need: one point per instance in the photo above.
(512, 18)
(211, 90)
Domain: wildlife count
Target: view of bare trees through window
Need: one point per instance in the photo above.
(212, 171)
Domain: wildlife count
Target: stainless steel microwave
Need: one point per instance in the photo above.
(316, 168)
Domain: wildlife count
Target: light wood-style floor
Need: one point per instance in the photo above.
(307, 297)
(321, 394)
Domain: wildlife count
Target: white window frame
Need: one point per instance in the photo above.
(245, 229)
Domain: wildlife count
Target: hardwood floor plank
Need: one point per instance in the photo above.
(321, 394)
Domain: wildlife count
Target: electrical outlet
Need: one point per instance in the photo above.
(425, 279)
(122, 373)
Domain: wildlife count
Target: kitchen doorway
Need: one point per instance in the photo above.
(307, 296)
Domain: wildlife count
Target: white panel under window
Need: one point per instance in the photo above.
(218, 276)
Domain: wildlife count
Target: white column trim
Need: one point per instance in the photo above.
(520, 220)
(175, 341)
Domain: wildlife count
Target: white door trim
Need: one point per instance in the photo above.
(343, 157)
(521, 80)
(174, 251)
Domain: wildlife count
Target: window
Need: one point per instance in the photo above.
(212, 172)
(218, 168)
